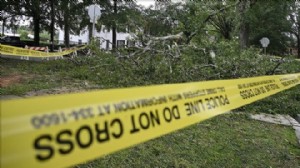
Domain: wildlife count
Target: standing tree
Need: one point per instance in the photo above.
(37, 9)
(72, 17)
(294, 18)
(52, 29)
(269, 19)
(117, 15)
(114, 26)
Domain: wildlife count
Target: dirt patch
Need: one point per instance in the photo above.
(10, 80)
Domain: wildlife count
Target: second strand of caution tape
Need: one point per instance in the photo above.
(23, 52)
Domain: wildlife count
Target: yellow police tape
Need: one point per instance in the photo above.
(63, 130)
(23, 52)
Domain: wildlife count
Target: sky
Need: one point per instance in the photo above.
(145, 3)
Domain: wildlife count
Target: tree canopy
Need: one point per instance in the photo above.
(191, 22)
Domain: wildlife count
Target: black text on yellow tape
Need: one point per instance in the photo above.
(63, 130)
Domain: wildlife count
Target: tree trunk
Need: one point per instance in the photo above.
(244, 35)
(67, 35)
(114, 38)
(67, 26)
(298, 45)
(244, 26)
(227, 29)
(114, 29)
(226, 33)
(4, 23)
(90, 27)
(36, 22)
(52, 26)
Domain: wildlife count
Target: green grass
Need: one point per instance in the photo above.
(42, 75)
(231, 140)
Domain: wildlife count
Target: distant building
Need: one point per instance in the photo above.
(104, 36)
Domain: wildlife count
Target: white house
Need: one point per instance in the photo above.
(104, 36)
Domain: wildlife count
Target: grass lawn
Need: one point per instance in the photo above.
(230, 140)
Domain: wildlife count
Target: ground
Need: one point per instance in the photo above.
(10, 80)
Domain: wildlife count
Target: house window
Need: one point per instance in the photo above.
(120, 43)
(130, 43)
(107, 45)
(79, 41)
